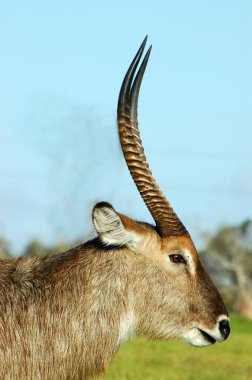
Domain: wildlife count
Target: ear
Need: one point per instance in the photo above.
(111, 226)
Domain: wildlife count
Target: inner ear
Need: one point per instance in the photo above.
(109, 226)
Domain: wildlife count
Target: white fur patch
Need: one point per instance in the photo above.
(189, 259)
(126, 328)
(195, 338)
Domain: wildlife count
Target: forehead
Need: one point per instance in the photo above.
(181, 244)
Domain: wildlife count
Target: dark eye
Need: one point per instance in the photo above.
(177, 259)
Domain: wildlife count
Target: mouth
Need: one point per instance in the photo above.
(207, 337)
(198, 337)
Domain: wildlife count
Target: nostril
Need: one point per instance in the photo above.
(224, 328)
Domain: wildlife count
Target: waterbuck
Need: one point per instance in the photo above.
(65, 316)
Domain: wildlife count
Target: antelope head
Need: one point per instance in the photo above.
(173, 296)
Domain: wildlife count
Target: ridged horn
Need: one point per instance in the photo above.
(165, 218)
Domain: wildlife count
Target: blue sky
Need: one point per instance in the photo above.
(62, 64)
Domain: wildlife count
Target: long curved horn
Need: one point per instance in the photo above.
(166, 220)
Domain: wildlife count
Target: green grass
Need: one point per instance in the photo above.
(144, 360)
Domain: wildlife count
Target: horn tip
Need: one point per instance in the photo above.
(144, 42)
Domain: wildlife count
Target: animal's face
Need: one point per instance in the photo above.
(196, 311)
(174, 296)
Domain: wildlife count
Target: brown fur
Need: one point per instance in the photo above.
(61, 316)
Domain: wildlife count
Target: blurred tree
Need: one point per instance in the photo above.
(37, 248)
(4, 249)
(230, 250)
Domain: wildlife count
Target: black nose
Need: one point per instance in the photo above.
(224, 328)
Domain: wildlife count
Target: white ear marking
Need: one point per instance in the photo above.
(110, 228)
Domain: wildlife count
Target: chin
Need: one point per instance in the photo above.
(198, 338)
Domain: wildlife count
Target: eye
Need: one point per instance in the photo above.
(177, 259)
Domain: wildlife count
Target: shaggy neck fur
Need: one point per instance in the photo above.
(64, 316)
